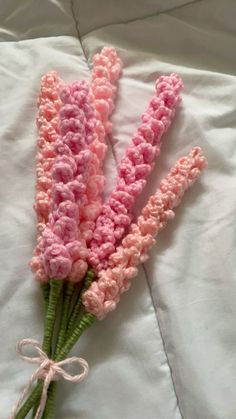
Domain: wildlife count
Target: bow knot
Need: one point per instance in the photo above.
(48, 370)
(48, 367)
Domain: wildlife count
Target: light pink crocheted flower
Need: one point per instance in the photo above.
(116, 214)
(63, 251)
(49, 105)
(105, 72)
(104, 294)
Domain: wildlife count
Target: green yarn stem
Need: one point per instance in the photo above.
(51, 400)
(85, 322)
(68, 292)
(46, 291)
(54, 293)
(89, 277)
(35, 408)
(55, 290)
(49, 409)
(31, 401)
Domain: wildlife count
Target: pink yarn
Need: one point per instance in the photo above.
(57, 261)
(63, 251)
(77, 171)
(104, 294)
(49, 105)
(116, 214)
(105, 72)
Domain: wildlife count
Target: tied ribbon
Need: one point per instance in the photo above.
(48, 370)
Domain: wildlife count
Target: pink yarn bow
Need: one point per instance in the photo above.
(48, 370)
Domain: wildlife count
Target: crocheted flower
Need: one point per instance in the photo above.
(57, 262)
(63, 251)
(49, 105)
(104, 294)
(116, 214)
(105, 72)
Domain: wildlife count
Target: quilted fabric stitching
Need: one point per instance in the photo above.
(134, 19)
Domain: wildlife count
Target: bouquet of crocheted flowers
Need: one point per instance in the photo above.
(88, 251)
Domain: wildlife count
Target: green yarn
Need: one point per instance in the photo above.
(64, 344)
(86, 321)
(51, 400)
(55, 289)
(46, 291)
(45, 294)
(69, 288)
(50, 405)
(31, 401)
(89, 277)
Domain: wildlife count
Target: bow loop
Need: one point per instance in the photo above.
(74, 360)
(35, 345)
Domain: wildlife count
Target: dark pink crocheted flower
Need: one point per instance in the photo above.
(116, 214)
(63, 250)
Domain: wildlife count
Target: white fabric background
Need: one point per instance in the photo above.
(168, 352)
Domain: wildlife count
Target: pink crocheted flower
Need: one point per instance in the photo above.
(70, 157)
(116, 214)
(105, 72)
(94, 300)
(70, 172)
(77, 249)
(57, 262)
(104, 294)
(67, 208)
(78, 271)
(49, 105)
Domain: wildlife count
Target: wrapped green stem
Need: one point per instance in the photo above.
(89, 277)
(46, 291)
(68, 292)
(31, 401)
(54, 293)
(55, 290)
(85, 322)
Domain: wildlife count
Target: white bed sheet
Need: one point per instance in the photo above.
(168, 352)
